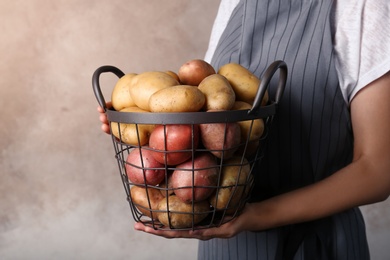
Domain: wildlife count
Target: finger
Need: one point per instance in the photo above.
(226, 230)
(103, 118)
(105, 128)
(163, 233)
(100, 109)
(205, 234)
(149, 230)
(108, 105)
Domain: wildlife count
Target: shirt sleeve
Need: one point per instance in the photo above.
(225, 10)
(362, 43)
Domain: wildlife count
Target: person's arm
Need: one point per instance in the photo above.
(366, 180)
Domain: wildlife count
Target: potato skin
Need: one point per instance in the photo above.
(250, 130)
(145, 84)
(187, 183)
(165, 186)
(169, 138)
(194, 71)
(228, 195)
(142, 168)
(128, 132)
(243, 81)
(181, 214)
(139, 196)
(180, 98)
(120, 96)
(218, 91)
(220, 144)
(173, 74)
(265, 100)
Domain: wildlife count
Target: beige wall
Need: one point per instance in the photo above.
(61, 196)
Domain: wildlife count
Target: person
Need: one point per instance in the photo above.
(329, 146)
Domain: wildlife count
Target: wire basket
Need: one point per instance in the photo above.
(212, 184)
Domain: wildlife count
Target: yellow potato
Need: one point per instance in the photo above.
(142, 197)
(173, 74)
(180, 98)
(243, 81)
(218, 91)
(129, 133)
(232, 186)
(120, 96)
(254, 129)
(181, 214)
(258, 124)
(265, 98)
(166, 188)
(145, 84)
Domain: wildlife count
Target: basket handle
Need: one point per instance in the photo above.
(96, 85)
(265, 80)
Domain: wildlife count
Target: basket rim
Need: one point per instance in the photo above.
(202, 117)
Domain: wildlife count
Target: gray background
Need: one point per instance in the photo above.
(60, 193)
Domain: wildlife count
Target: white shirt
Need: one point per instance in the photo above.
(362, 40)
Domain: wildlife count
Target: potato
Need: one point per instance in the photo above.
(222, 139)
(218, 91)
(194, 71)
(180, 98)
(166, 139)
(243, 81)
(120, 96)
(166, 186)
(190, 178)
(129, 133)
(141, 197)
(178, 214)
(173, 74)
(254, 129)
(232, 185)
(145, 84)
(142, 168)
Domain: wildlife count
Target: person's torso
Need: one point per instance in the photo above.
(311, 135)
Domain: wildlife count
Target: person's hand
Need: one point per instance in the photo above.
(227, 230)
(103, 118)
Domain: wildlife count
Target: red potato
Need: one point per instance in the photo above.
(166, 140)
(222, 139)
(142, 168)
(194, 71)
(190, 178)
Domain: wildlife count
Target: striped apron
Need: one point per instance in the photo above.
(311, 136)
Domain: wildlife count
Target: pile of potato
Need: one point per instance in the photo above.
(188, 170)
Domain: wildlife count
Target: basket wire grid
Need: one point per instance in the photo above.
(240, 190)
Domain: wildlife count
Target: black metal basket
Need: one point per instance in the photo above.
(159, 204)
